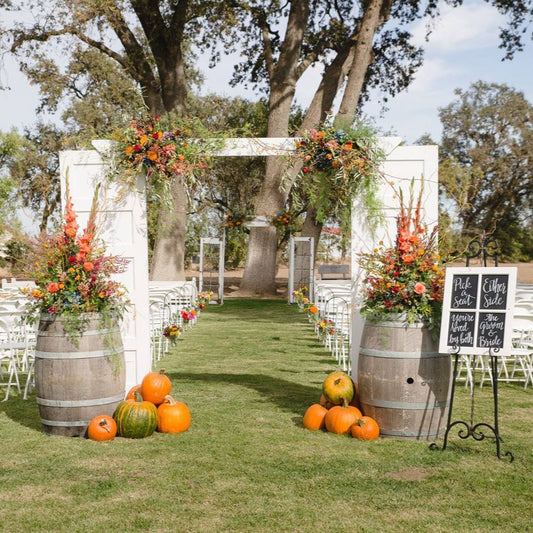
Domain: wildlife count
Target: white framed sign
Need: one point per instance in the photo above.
(477, 310)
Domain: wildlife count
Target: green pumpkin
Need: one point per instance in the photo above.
(135, 419)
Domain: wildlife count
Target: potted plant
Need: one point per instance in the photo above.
(403, 380)
(79, 359)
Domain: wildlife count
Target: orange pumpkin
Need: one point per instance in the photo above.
(132, 391)
(314, 417)
(339, 419)
(324, 402)
(338, 388)
(155, 386)
(366, 428)
(173, 416)
(102, 427)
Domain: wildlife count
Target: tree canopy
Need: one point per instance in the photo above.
(486, 172)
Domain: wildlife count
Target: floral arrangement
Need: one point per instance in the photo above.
(72, 274)
(203, 299)
(324, 327)
(156, 148)
(300, 297)
(172, 333)
(188, 316)
(407, 278)
(281, 220)
(235, 220)
(337, 165)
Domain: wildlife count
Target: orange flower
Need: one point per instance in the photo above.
(36, 293)
(408, 258)
(313, 309)
(52, 287)
(419, 288)
(143, 139)
(71, 231)
(128, 150)
(88, 266)
(152, 156)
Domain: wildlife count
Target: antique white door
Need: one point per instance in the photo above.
(122, 218)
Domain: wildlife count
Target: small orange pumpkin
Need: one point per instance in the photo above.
(324, 402)
(173, 416)
(155, 386)
(101, 428)
(132, 391)
(340, 419)
(314, 417)
(366, 428)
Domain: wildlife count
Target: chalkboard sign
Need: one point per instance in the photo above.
(477, 310)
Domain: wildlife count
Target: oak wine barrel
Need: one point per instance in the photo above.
(404, 382)
(77, 379)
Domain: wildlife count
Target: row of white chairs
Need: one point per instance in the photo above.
(333, 323)
(513, 367)
(167, 301)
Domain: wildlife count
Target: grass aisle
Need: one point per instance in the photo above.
(247, 371)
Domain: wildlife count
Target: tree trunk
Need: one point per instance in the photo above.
(376, 12)
(260, 268)
(169, 249)
(311, 227)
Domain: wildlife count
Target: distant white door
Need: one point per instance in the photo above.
(122, 215)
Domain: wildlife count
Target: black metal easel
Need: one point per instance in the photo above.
(479, 248)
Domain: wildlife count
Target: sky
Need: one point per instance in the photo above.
(462, 49)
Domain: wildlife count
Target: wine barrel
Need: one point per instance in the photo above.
(404, 382)
(77, 378)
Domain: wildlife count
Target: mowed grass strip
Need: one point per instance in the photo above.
(247, 371)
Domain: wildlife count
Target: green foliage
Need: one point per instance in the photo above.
(338, 166)
(35, 170)
(15, 253)
(485, 177)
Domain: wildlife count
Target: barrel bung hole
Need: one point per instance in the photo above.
(410, 381)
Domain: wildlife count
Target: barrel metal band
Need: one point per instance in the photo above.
(404, 405)
(75, 355)
(88, 333)
(65, 423)
(400, 433)
(399, 355)
(399, 324)
(79, 403)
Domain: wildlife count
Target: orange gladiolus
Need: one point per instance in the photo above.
(71, 231)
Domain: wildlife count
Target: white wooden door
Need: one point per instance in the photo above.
(122, 218)
(403, 164)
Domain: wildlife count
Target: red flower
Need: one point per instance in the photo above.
(305, 170)
(387, 303)
(137, 148)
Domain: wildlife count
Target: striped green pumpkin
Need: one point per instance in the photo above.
(135, 419)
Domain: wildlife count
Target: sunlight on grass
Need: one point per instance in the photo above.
(247, 371)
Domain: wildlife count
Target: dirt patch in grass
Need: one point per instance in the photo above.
(410, 474)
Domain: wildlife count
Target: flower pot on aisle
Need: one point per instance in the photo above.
(77, 377)
(404, 382)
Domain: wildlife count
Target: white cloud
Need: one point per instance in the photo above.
(471, 26)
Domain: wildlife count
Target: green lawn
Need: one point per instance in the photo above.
(247, 371)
